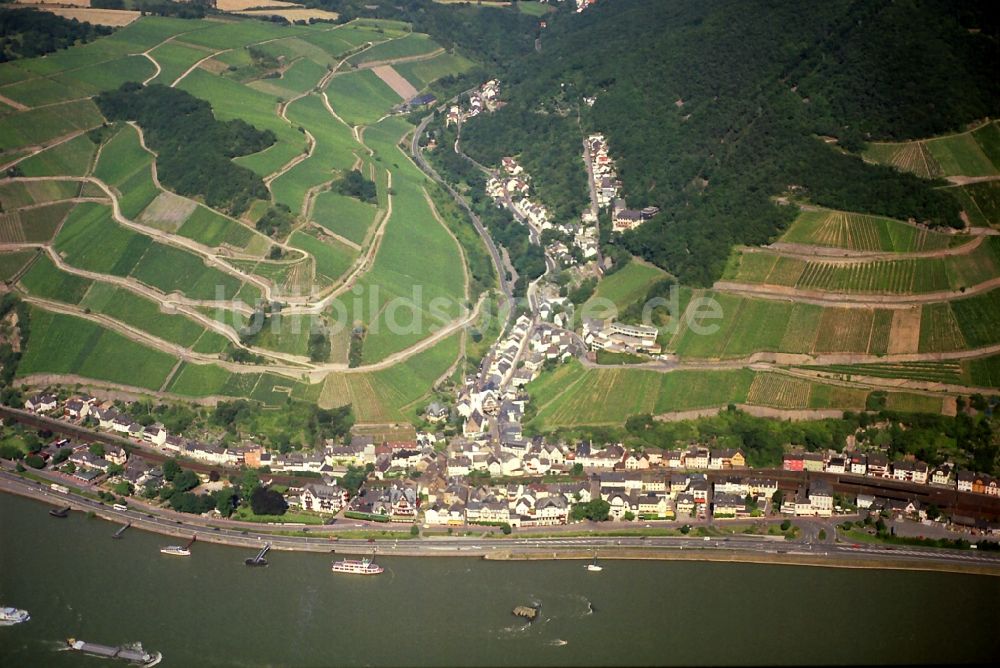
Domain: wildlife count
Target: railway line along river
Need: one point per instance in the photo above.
(211, 610)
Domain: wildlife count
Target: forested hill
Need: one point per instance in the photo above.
(713, 108)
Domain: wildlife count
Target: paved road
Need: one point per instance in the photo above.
(482, 546)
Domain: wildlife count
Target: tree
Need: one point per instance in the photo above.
(34, 461)
(62, 454)
(596, 510)
(186, 480)
(628, 516)
(123, 488)
(786, 525)
(115, 469)
(170, 469)
(97, 449)
(414, 530)
(213, 475)
(266, 501)
(225, 501)
(249, 481)
(933, 512)
(777, 499)
(577, 469)
(822, 534)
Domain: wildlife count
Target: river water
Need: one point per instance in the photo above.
(211, 610)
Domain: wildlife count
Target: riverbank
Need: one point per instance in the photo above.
(741, 549)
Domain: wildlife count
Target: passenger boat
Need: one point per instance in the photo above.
(132, 653)
(176, 550)
(593, 567)
(356, 566)
(11, 616)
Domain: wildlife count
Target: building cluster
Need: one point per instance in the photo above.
(484, 98)
(607, 187)
(583, 4)
(512, 188)
(877, 465)
(619, 337)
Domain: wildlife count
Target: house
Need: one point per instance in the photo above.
(859, 463)
(726, 458)
(323, 498)
(943, 475)
(837, 465)
(41, 403)
(792, 462)
(821, 498)
(728, 505)
(436, 412)
(116, 455)
(813, 461)
(155, 434)
(965, 480)
(652, 506)
(76, 409)
(910, 471)
(878, 465)
(684, 504)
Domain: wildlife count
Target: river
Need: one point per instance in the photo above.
(211, 610)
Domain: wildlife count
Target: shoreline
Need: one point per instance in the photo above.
(499, 550)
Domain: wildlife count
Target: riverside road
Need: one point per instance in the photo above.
(729, 548)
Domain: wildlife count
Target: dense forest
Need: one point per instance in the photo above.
(26, 33)
(194, 150)
(714, 108)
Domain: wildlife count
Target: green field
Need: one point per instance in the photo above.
(175, 58)
(34, 225)
(141, 313)
(393, 394)
(230, 100)
(622, 288)
(45, 280)
(752, 325)
(574, 395)
(71, 158)
(335, 151)
(854, 231)
(346, 216)
(903, 276)
(332, 258)
(13, 262)
(980, 201)
(975, 153)
(39, 126)
(414, 44)
(65, 344)
(126, 166)
(361, 98)
(213, 229)
(422, 73)
(979, 318)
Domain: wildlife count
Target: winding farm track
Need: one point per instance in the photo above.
(832, 255)
(823, 298)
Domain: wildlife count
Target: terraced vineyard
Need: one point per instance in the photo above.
(859, 232)
(111, 260)
(974, 153)
(893, 276)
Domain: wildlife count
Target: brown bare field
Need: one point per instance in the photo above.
(59, 3)
(243, 5)
(905, 335)
(104, 17)
(300, 14)
(214, 66)
(401, 86)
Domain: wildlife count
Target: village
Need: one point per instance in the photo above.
(501, 478)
